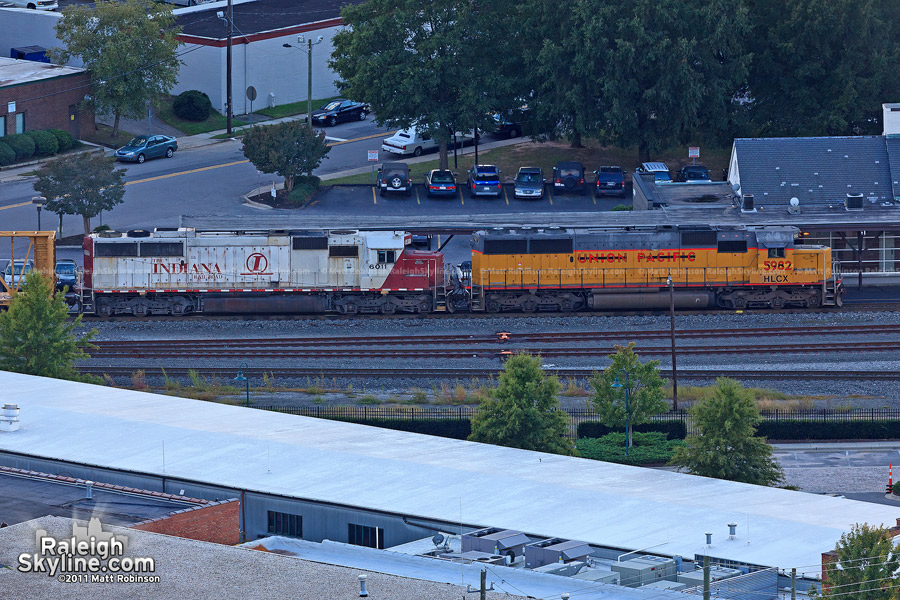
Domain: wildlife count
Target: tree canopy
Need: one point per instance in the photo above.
(523, 412)
(288, 149)
(129, 46)
(81, 184)
(726, 446)
(645, 390)
(36, 337)
(865, 565)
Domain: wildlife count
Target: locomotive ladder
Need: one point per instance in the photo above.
(440, 299)
(476, 298)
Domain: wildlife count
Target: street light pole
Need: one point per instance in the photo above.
(616, 384)
(671, 285)
(230, 111)
(39, 202)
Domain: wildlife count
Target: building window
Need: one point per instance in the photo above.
(285, 524)
(360, 535)
(2, 126)
(20, 122)
(385, 256)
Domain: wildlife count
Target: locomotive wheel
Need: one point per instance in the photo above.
(493, 306)
(814, 302)
(388, 308)
(529, 306)
(777, 303)
(141, 308)
(102, 308)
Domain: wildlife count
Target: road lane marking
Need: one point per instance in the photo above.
(158, 177)
(367, 137)
(15, 205)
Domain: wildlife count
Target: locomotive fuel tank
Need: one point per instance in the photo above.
(684, 299)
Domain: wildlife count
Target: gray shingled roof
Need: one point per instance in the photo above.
(817, 170)
(893, 150)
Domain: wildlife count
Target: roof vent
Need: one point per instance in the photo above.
(732, 530)
(709, 538)
(854, 202)
(88, 489)
(363, 592)
(9, 417)
(747, 204)
(794, 208)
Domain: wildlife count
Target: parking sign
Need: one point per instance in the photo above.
(373, 155)
(694, 152)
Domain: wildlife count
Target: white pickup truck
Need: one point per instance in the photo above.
(410, 141)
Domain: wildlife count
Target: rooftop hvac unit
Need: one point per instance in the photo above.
(642, 570)
(555, 550)
(566, 569)
(665, 585)
(598, 576)
(473, 556)
(496, 541)
(853, 202)
(716, 573)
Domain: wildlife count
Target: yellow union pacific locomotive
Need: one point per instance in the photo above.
(728, 266)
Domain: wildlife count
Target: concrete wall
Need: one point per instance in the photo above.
(263, 63)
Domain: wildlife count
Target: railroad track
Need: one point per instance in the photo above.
(466, 373)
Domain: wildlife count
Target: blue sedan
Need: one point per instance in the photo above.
(142, 147)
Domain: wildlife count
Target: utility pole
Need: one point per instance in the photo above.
(309, 84)
(483, 584)
(672, 329)
(229, 111)
(706, 578)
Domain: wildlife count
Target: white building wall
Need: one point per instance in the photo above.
(203, 69)
(23, 27)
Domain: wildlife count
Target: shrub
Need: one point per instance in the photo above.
(7, 156)
(304, 189)
(676, 430)
(45, 143)
(65, 139)
(646, 448)
(622, 207)
(192, 105)
(895, 489)
(21, 144)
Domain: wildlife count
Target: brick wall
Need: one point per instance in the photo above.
(50, 104)
(217, 522)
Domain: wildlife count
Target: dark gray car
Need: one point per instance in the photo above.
(394, 177)
(529, 183)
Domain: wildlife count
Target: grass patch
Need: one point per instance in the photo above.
(368, 400)
(765, 398)
(571, 387)
(646, 448)
(214, 122)
(103, 136)
(418, 396)
(294, 108)
(547, 154)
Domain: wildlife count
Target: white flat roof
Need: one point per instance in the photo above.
(15, 71)
(435, 478)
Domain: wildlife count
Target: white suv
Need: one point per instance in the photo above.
(34, 4)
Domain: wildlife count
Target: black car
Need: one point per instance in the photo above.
(509, 125)
(693, 173)
(339, 111)
(66, 276)
(569, 177)
(610, 181)
(394, 177)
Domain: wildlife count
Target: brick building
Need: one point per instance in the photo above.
(36, 95)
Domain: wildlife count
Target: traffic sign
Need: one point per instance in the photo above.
(694, 152)
(373, 155)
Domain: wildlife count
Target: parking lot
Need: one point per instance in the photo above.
(365, 200)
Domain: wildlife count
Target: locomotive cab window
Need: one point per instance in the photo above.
(776, 252)
(732, 246)
(162, 249)
(116, 249)
(385, 256)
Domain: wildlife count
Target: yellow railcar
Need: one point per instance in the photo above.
(726, 266)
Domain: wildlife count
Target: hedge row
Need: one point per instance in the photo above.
(676, 430)
(458, 429)
(646, 448)
(829, 430)
(44, 142)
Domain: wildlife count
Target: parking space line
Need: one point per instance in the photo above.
(417, 196)
(461, 197)
(550, 195)
(594, 198)
(506, 195)
(374, 198)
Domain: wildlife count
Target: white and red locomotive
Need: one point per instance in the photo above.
(179, 271)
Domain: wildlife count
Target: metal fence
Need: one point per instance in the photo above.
(576, 416)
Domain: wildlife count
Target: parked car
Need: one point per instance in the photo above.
(412, 141)
(610, 181)
(12, 277)
(66, 274)
(484, 180)
(34, 4)
(660, 170)
(529, 183)
(394, 177)
(511, 124)
(340, 111)
(440, 183)
(142, 147)
(693, 173)
(569, 177)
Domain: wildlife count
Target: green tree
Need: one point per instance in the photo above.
(288, 149)
(645, 390)
(726, 446)
(523, 412)
(432, 64)
(81, 185)
(865, 566)
(823, 67)
(129, 47)
(35, 335)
